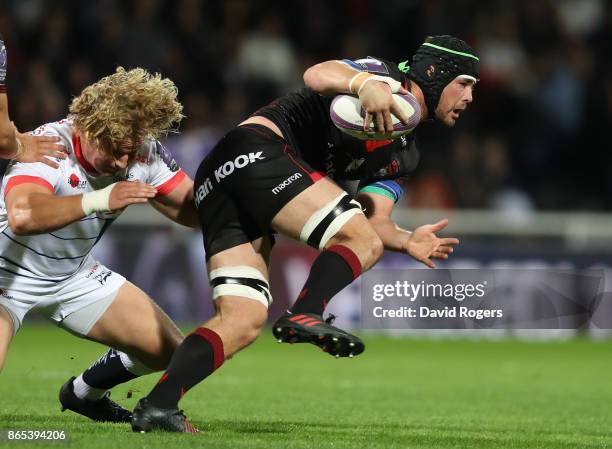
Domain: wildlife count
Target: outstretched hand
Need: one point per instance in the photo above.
(424, 245)
(36, 148)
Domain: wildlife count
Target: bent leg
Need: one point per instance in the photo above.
(349, 243)
(136, 325)
(144, 338)
(239, 278)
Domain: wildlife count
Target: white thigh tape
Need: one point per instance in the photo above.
(241, 280)
(318, 216)
(337, 224)
(328, 220)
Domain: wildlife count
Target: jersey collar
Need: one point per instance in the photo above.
(78, 152)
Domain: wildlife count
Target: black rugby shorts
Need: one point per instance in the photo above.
(248, 177)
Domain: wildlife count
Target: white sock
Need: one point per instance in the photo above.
(84, 391)
(133, 365)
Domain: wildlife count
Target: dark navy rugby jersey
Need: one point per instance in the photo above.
(303, 117)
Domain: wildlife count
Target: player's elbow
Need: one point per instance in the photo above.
(20, 221)
(317, 77)
(311, 76)
(18, 225)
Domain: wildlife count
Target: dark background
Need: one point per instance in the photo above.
(536, 137)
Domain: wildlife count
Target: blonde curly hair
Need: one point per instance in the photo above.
(128, 106)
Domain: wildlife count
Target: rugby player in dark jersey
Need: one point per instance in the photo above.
(280, 171)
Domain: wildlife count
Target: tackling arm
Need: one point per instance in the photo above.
(178, 205)
(33, 208)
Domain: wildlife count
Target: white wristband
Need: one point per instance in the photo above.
(393, 84)
(97, 201)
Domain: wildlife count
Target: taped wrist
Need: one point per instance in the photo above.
(357, 81)
(393, 84)
(97, 201)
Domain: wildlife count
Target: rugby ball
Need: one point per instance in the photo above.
(348, 115)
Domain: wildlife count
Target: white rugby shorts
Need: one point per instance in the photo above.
(76, 303)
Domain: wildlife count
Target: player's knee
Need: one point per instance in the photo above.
(369, 250)
(244, 318)
(363, 241)
(249, 331)
(242, 296)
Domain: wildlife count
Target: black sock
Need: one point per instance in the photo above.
(107, 372)
(197, 357)
(334, 269)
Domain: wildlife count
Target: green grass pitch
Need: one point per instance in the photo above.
(401, 393)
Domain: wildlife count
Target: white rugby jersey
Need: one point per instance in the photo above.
(56, 255)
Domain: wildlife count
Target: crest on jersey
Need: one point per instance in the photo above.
(390, 169)
(75, 182)
(431, 70)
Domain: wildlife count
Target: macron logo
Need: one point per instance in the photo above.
(286, 182)
(241, 161)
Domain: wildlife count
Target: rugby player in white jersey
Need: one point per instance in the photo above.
(15, 145)
(51, 218)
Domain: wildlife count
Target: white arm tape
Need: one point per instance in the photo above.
(97, 201)
(350, 86)
(393, 84)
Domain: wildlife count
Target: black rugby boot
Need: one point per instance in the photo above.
(147, 418)
(102, 410)
(311, 328)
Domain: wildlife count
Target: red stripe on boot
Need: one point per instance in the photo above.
(306, 320)
(215, 341)
(349, 256)
(313, 323)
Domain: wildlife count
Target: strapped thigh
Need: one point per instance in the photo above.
(241, 280)
(327, 221)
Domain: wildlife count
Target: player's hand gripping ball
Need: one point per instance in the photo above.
(348, 115)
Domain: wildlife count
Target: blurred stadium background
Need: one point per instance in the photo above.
(523, 177)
